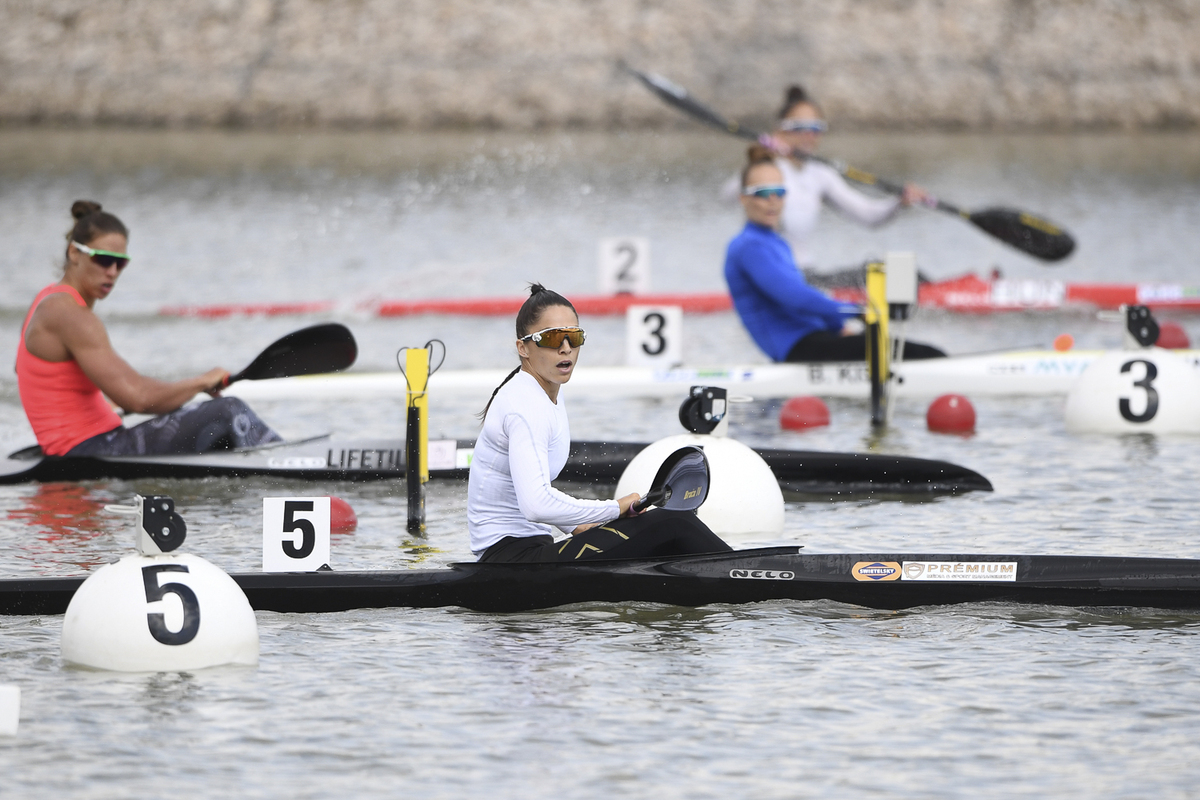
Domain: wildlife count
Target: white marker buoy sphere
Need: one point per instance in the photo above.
(159, 613)
(743, 494)
(1127, 391)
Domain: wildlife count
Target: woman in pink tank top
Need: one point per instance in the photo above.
(66, 366)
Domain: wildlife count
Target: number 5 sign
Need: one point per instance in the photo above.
(625, 265)
(295, 534)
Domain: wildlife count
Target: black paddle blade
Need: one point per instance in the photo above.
(310, 351)
(677, 96)
(1033, 235)
(681, 483)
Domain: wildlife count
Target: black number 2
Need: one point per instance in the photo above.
(308, 534)
(623, 274)
(660, 322)
(191, 606)
(1146, 383)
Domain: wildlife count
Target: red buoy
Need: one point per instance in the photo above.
(951, 413)
(342, 518)
(1172, 336)
(799, 413)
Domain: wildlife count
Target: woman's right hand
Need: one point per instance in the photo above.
(627, 502)
(213, 381)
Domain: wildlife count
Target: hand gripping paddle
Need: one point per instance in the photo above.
(681, 483)
(329, 347)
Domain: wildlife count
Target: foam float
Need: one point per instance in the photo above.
(744, 497)
(159, 610)
(1141, 389)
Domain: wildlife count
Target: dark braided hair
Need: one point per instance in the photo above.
(92, 221)
(540, 298)
(794, 96)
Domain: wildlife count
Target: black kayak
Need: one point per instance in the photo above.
(874, 580)
(326, 458)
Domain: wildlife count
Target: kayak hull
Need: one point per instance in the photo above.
(798, 471)
(1046, 373)
(872, 580)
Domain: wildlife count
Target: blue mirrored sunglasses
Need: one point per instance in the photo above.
(764, 190)
(803, 125)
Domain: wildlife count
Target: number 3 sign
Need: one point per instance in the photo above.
(295, 534)
(654, 336)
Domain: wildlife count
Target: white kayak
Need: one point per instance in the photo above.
(1018, 372)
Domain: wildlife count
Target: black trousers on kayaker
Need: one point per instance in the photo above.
(827, 346)
(220, 424)
(657, 533)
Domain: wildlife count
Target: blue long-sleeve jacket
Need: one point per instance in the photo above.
(770, 294)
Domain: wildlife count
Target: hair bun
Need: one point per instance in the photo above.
(536, 288)
(81, 208)
(757, 154)
(794, 96)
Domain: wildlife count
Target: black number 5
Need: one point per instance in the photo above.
(191, 606)
(308, 534)
(1151, 393)
(660, 322)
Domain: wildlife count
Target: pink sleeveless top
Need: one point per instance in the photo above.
(64, 407)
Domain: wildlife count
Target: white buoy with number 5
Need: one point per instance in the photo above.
(158, 610)
(1144, 389)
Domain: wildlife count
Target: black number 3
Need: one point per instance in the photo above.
(191, 606)
(1151, 393)
(660, 323)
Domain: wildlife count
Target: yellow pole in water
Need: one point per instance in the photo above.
(879, 349)
(416, 371)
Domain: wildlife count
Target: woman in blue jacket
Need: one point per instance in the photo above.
(787, 318)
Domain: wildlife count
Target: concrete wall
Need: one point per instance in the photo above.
(521, 64)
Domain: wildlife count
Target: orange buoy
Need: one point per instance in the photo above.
(951, 413)
(1172, 336)
(342, 518)
(799, 413)
(1064, 342)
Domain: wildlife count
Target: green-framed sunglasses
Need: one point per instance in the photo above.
(104, 258)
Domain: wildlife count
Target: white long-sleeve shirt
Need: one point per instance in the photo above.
(809, 186)
(523, 446)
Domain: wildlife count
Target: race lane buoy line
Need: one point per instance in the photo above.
(159, 610)
(1143, 388)
(744, 497)
(950, 413)
(801, 413)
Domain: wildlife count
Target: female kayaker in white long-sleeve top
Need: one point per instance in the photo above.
(524, 444)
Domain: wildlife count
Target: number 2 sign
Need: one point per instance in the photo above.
(295, 534)
(625, 265)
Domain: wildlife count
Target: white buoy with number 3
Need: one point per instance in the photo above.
(1144, 389)
(158, 610)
